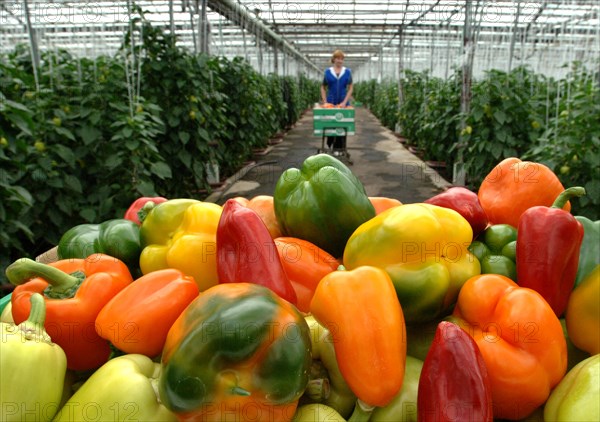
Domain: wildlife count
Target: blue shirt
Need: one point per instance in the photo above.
(337, 85)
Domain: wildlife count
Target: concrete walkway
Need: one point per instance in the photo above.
(380, 161)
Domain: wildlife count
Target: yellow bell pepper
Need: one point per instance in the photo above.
(423, 248)
(583, 314)
(181, 234)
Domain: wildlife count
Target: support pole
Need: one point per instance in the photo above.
(400, 74)
(203, 30)
(33, 46)
(459, 175)
(514, 36)
(172, 20)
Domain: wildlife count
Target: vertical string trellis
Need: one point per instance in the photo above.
(132, 63)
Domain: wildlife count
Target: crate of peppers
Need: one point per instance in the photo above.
(317, 303)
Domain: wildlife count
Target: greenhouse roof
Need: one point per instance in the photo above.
(368, 31)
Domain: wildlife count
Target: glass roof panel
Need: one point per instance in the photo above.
(307, 31)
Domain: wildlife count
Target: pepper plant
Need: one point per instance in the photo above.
(570, 143)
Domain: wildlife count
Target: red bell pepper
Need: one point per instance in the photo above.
(138, 318)
(137, 207)
(548, 243)
(246, 252)
(464, 202)
(75, 291)
(454, 383)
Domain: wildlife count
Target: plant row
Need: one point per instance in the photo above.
(512, 114)
(86, 136)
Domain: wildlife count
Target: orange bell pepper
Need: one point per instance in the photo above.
(382, 203)
(520, 338)
(362, 312)
(305, 264)
(263, 206)
(139, 317)
(75, 291)
(514, 186)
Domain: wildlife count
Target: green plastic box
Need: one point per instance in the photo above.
(333, 121)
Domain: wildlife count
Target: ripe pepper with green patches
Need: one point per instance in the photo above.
(423, 248)
(237, 348)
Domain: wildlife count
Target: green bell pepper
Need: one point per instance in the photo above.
(119, 238)
(323, 203)
(238, 346)
(122, 389)
(496, 248)
(575, 398)
(32, 368)
(403, 407)
(589, 253)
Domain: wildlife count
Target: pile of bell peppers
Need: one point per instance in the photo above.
(317, 303)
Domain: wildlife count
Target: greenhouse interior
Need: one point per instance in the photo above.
(373, 138)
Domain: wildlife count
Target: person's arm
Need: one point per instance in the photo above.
(323, 94)
(348, 95)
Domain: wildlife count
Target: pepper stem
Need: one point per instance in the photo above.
(362, 412)
(62, 285)
(145, 210)
(318, 389)
(33, 327)
(567, 194)
(239, 391)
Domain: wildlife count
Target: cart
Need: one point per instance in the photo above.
(334, 122)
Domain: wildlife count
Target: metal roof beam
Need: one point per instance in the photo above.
(239, 15)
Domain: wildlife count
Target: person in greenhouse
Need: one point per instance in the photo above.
(336, 89)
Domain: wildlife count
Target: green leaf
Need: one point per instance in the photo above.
(203, 134)
(184, 137)
(132, 144)
(73, 183)
(65, 132)
(56, 182)
(88, 214)
(21, 194)
(17, 106)
(113, 161)
(23, 228)
(161, 170)
(65, 154)
(496, 150)
(500, 116)
(592, 189)
(146, 188)
(173, 120)
(24, 124)
(89, 134)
